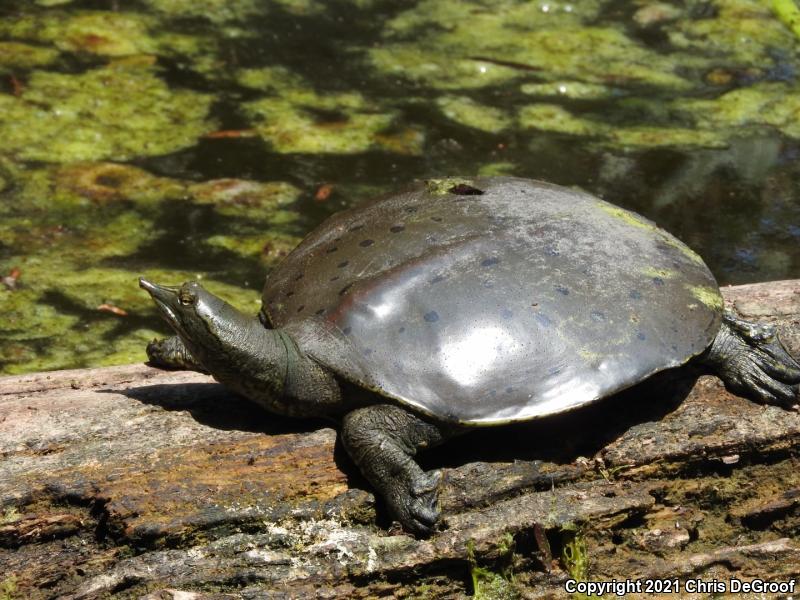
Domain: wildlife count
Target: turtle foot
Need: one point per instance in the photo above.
(170, 353)
(752, 361)
(414, 501)
(382, 439)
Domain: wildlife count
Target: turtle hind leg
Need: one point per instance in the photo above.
(751, 361)
(170, 353)
(381, 440)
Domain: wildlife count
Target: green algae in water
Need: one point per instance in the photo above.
(18, 55)
(54, 319)
(418, 66)
(225, 11)
(274, 79)
(497, 168)
(62, 189)
(464, 45)
(249, 198)
(113, 34)
(115, 112)
(106, 33)
(772, 104)
(216, 11)
(742, 31)
(473, 114)
(297, 119)
(552, 117)
(67, 310)
(269, 250)
(446, 44)
(575, 90)
(738, 113)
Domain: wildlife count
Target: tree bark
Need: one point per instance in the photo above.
(135, 482)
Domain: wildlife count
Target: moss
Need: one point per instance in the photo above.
(574, 556)
(709, 296)
(491, 585)
(111, 112)
(789, 14)
(10, 515)
(661, 273)
(630, 218)
(8, 588)
(440, 187)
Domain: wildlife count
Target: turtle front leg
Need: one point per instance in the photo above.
(752, 361)
(382, 440)
(170, 353)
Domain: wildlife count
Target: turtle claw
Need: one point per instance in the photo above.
(753, 362)
(428, 484)
(415, 504)
(170, 353)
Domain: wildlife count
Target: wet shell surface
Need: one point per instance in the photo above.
(494, 300)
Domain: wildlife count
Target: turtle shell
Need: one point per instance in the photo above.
(495, 299)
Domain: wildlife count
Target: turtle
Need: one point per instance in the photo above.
(459, 303)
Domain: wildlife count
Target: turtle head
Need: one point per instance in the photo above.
(264, 365)
(216, 333)
(188, 309)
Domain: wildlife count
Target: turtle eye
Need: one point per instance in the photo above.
(186, 297)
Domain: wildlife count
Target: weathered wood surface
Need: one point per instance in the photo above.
(134, 482)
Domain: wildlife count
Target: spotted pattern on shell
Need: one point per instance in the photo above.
(535, 288)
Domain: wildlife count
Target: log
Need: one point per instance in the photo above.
(135, 482)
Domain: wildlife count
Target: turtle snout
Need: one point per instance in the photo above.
(164, 295)
(160, 292)
(147, 285)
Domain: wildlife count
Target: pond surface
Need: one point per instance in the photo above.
(202, 139)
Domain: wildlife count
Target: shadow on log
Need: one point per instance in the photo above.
(134, 482)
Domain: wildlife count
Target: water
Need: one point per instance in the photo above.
(180, 140)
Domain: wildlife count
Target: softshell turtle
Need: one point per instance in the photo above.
(460, 303)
